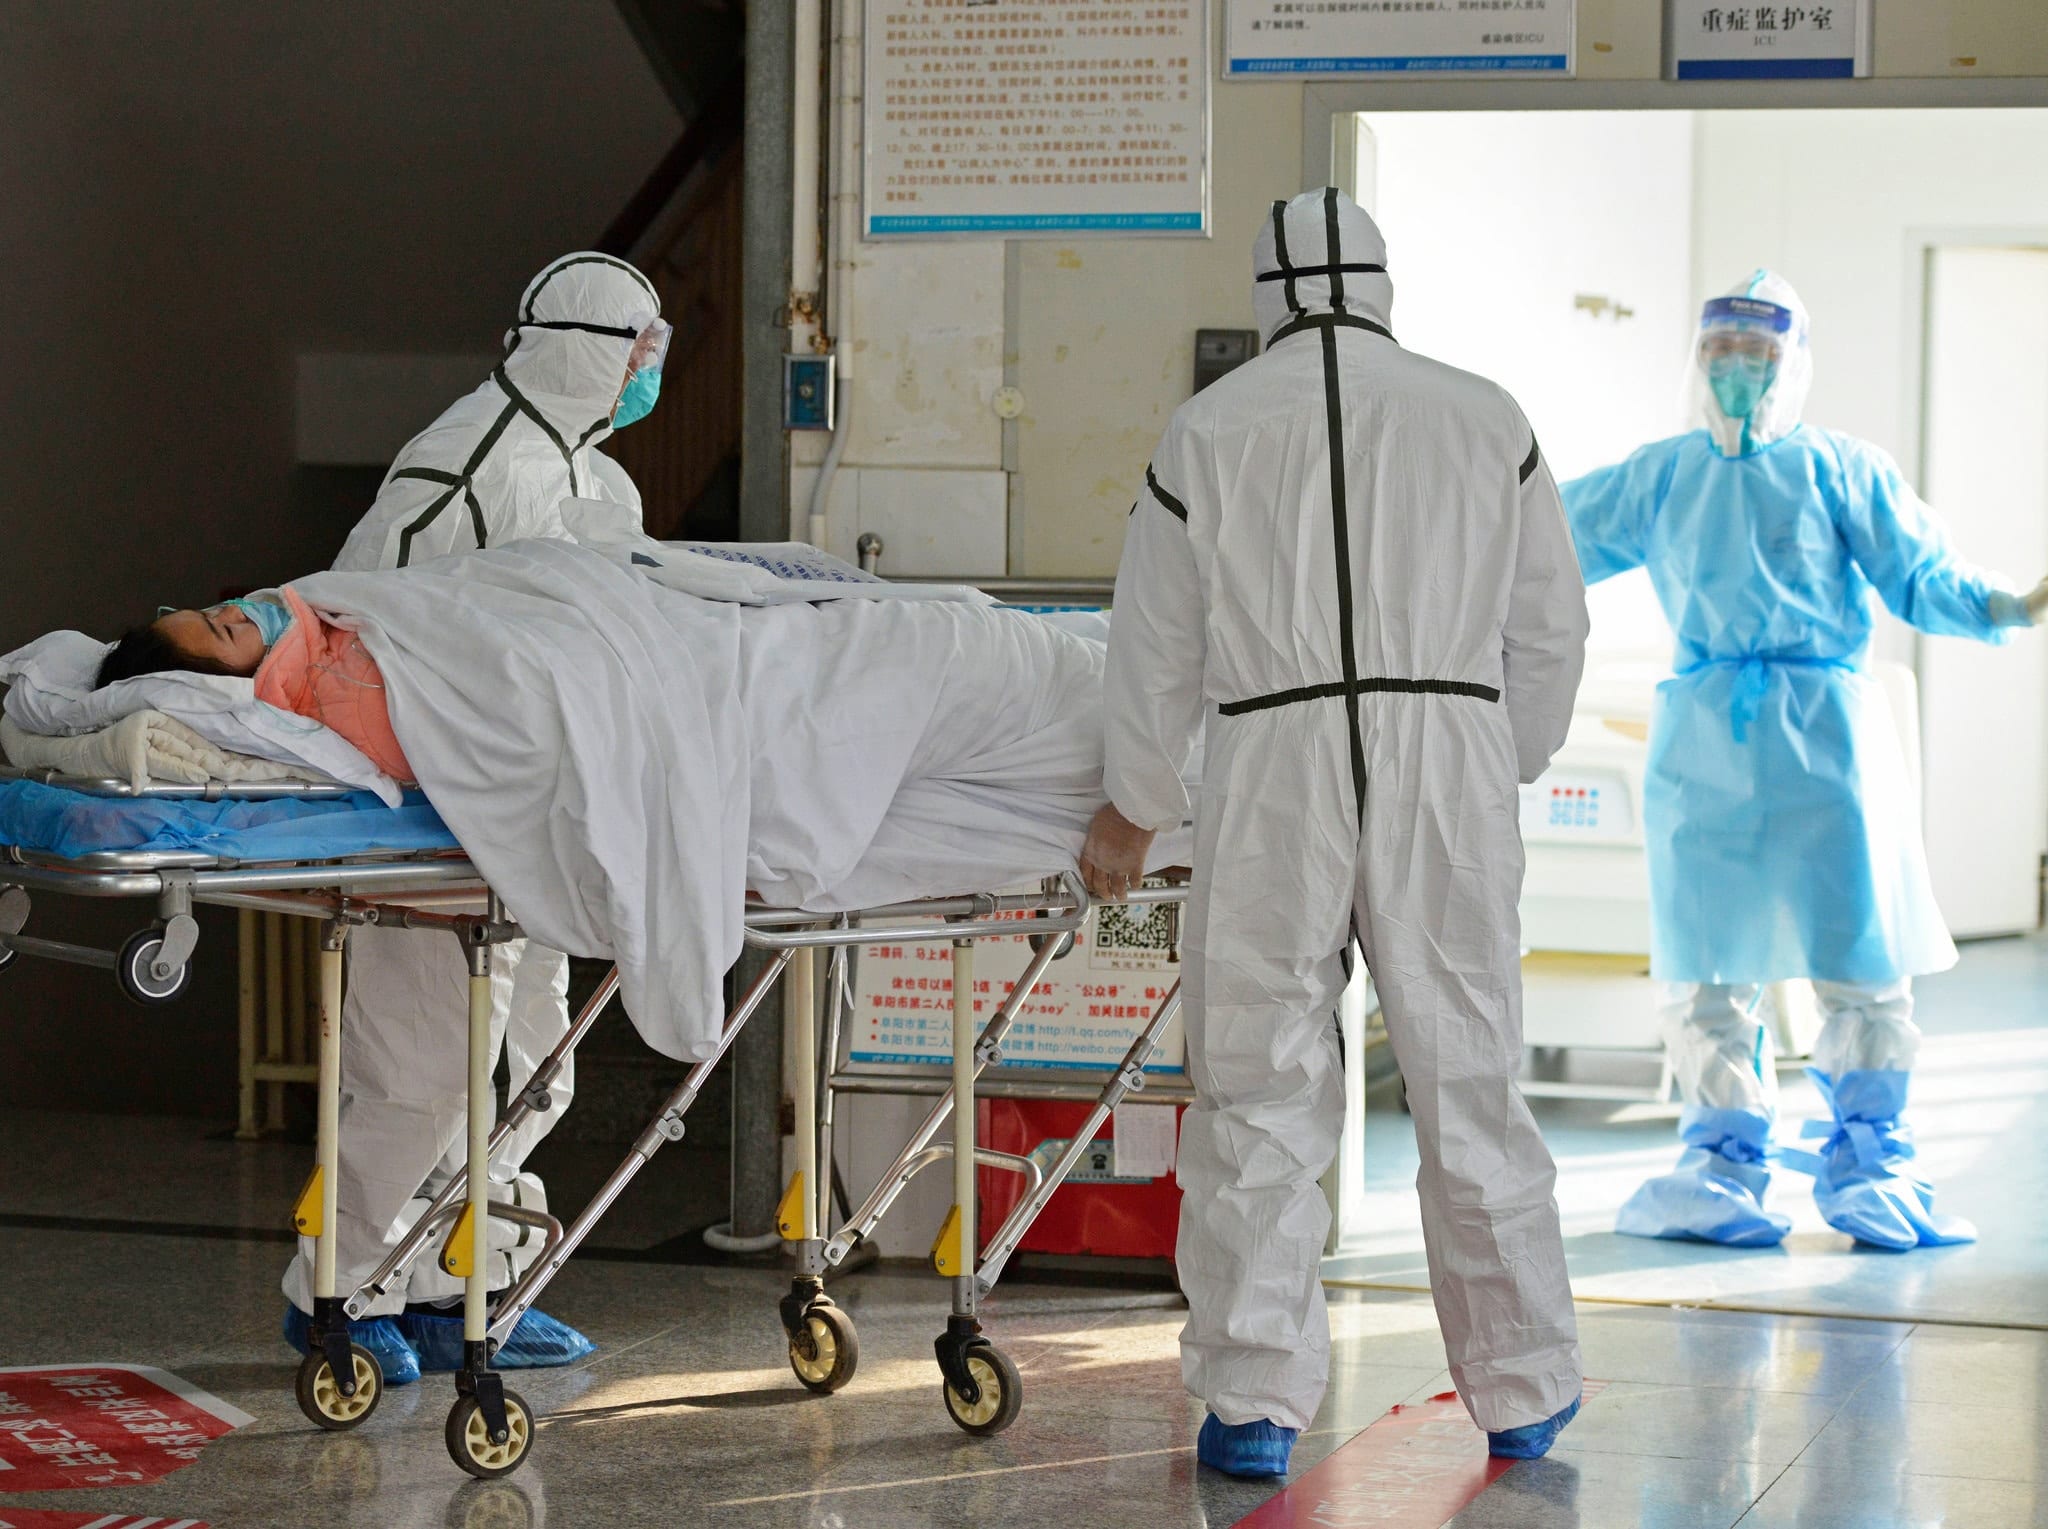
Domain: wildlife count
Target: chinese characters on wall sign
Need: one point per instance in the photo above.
(1020, 117)
(1084, 1013)
(1811, 40)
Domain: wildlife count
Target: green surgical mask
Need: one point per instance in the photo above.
(1740, 382)
(637, 401)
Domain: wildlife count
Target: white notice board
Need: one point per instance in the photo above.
(1349, 37)
(1810, 40)
(1084, 1013)
(1015, 118)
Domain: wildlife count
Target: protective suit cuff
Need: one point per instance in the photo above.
(1151, 811)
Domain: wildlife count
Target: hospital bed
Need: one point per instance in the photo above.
(417, 878)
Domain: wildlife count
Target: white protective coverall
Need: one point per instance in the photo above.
(494, 468)
(1386, 638)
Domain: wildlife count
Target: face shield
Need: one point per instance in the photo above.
(1741, 345)
(646, 354)
(1751, 367)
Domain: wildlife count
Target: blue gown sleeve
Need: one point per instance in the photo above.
(1905, 552)
(1611, 509)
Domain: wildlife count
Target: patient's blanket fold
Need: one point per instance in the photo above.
(579, 731)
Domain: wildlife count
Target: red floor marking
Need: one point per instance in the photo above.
(1416, 1468)
(102, 1424)
(39, 1518)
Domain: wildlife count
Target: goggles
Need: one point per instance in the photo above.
(650, 344)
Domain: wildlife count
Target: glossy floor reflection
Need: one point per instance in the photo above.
(1910, 1390)
(687, 1414)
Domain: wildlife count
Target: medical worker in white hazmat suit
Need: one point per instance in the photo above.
(582, 360)
(1352, 560)
(1783, 839)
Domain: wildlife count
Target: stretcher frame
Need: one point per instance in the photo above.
(490, 1428)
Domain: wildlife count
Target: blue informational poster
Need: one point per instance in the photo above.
(1343, 39)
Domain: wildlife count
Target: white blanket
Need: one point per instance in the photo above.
(143, 747)
(623, 760)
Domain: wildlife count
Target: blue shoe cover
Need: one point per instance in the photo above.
(380, 1335)
(1860, 1181)
(539, 1342)
(1255, 1451)
(1531, 1441)
(1716, 1193)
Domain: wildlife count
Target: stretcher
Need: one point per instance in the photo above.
(428, 884)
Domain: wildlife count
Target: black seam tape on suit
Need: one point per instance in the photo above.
(1331, 245)
(1349, 267)
(1167, 502)
(1340, 533)
(1362, 687)
(1329, 321)
(1280, 251)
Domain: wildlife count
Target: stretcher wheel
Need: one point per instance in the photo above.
(138, 981)
(825, 1354)
(1002, 1393)
(469, 1438)
(321, 1399)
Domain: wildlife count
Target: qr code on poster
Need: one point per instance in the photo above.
(1135, 938)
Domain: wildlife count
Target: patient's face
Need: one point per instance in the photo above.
(224, 634)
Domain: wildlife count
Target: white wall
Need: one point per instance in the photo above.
(1106, 339)
(1501, 227)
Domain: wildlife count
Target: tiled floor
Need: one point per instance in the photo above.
(1929, 1406)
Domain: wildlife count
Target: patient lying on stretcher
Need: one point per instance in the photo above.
(299, 662)
(626, 757)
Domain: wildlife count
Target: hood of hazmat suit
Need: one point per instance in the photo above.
(1752, 366)
(1353, 559)
(497, 465)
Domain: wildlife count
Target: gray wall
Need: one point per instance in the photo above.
(190, 196)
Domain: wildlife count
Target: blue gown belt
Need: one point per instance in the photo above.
(1753, 676)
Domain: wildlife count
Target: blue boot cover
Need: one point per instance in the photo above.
(1860, 1179)
(1716, 1193)
(380, 1335)
(1256, 1451)
(539, 1342)
(1531, 1441)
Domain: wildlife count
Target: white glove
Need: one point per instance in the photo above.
(2020, 610)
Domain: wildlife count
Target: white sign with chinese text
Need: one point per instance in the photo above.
(1808, 40)
(1015, 118)
(1084, 1013)
(1349, 37)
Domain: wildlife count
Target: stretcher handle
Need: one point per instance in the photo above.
(936, 919)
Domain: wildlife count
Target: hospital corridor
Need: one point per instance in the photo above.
(861, 764)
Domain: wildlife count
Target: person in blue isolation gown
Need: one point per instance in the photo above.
(1784, 840)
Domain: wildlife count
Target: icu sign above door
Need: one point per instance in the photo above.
(1346, 38)
(1742, 40)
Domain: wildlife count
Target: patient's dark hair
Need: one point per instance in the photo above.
(146, 650)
